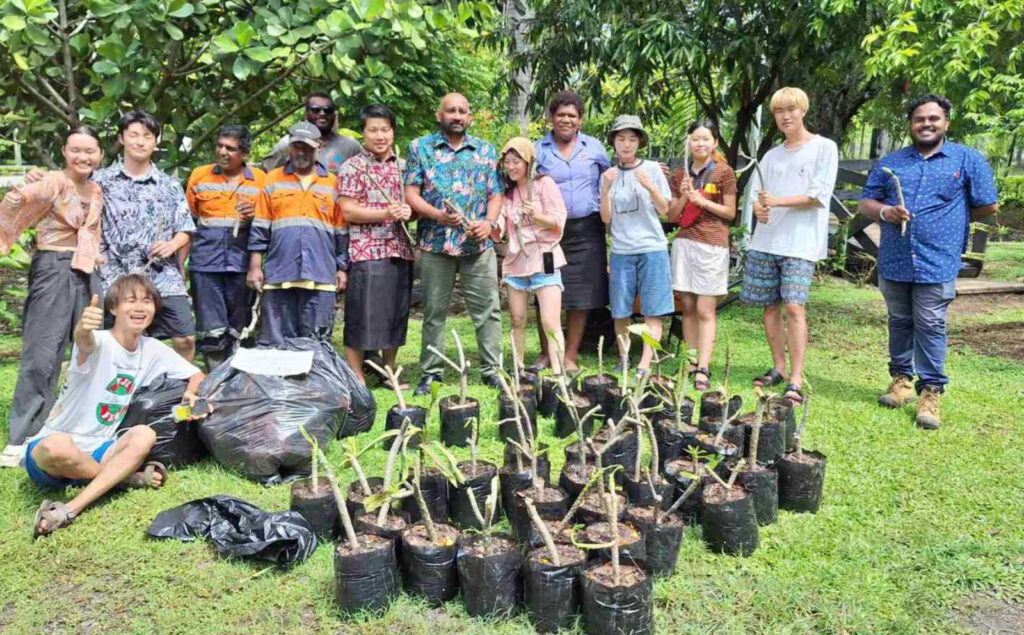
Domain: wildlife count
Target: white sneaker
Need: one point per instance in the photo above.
(12, 455)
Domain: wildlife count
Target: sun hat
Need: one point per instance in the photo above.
(304, 132)
(627, 122)
(522, 147)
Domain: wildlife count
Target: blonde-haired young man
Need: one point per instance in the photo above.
(791, 235)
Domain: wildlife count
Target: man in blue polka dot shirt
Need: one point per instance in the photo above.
(945, 187)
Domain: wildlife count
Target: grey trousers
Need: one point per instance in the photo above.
(56, 296)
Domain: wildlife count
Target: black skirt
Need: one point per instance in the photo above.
(585, 275)
(377, 304)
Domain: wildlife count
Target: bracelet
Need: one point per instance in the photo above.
(881, 214)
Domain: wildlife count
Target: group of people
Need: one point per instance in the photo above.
(332, 215)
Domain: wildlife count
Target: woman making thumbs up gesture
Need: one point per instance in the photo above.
(65, 208)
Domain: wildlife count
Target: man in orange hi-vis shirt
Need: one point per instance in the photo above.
(222, 197)
(298, 244)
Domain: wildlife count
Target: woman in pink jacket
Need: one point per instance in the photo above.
(533, 220)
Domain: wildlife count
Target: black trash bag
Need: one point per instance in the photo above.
(254, 427)
(367, 578)
(177, 442)
(489, 582)
(552, 593)
(239, 529)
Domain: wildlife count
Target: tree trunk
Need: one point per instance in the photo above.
(518, 15)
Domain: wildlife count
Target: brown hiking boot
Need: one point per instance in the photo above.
(928, 409)
(901, 391)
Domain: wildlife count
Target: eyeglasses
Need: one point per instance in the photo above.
(321, 110)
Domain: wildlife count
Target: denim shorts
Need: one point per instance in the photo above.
(534, 281)
(48, 481)
(648, 275)
(770, 279)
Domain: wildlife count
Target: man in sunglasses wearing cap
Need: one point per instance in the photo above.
(334, 148)
(299, 229)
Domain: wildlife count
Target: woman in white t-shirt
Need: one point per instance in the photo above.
(634, 200)
(78, 445)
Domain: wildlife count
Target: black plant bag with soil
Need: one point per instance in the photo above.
(771, 442)
(478, 485)
(613, 406)
(512, 479)
(801, 481)
(395, 523)
(627, 609)
(783, 410)
(632, 549)
(763, 485)
(728, 520)
(552, 506)
(506, 410)
(597, 386)
(690, 511)
(572, 481)
(572, 454)
(549, 391)
(532, 382)
(736, 433)
(455, 417)
(592, 510)
(623, 452)
(177, 442)
(711, 405)
(393, 421)
(552, 592)
(535, 540)
(661, 540)
(430, 570)
(355, 497)
(435, 493)
(640, 492)
(725, 448)
(489, 566)
(366, 579)
(564, 425)
(317, 506)
(673, 440)
(543, 462)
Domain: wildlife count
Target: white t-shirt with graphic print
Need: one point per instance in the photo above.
(95, 397)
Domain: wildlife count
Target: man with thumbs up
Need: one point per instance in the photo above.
(78, 445)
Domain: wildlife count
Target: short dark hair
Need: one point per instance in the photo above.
(88, 131)
(139, 116)
(705, 123)
(310, 97)
(238, 132)
(377, 111)
(929, 98)
(565, 98)
(129, 283)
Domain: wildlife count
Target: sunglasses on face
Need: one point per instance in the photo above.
(320, 110)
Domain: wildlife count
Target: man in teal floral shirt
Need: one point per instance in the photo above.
(451, 182)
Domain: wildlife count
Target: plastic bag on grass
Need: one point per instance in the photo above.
(254, 426)
(177, 442)
(239, 529)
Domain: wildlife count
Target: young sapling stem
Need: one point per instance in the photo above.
(396, 445)
(428, 522)
(462, 368)
(473, 450)
(803, 421)
(542, 529)
(899, 193)
(735, 473)
(600, 356)
(623, 341)
(392, 376)
(611, 504)
(594, 478)
(524, 443)
(755, 431)
(332, 480)
(690, 489)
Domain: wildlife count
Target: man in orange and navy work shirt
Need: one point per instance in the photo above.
(298, 244)
(222, 197)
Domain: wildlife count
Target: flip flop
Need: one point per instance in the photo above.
(702, 384)
(770, 378)
(144, 477)
(56, 515)
(536, 367)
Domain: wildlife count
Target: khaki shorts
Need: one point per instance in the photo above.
(699, 268)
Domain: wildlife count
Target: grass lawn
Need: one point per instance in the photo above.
(912, 524)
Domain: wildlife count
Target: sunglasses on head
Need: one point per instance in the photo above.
(321, 110)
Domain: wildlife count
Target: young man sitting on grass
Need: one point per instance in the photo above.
(79, 445)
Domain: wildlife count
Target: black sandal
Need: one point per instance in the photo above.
(769, 379)
(793, 395)
(702, 385)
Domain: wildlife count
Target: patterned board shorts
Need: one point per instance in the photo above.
(770, 279)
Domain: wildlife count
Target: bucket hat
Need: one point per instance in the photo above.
(627, 122)
(522, 147)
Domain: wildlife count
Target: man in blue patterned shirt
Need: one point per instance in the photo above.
(945, 186)
(146, 224)
(451, 182)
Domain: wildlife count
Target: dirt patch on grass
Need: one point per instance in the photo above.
(997, 340)
(985, 304)
(984, 613)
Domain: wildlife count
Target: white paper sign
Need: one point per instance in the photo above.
(271, 361)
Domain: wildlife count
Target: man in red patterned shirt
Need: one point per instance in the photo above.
(380, 253)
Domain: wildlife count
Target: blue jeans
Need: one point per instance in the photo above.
(917, 329)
